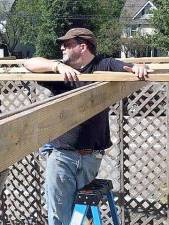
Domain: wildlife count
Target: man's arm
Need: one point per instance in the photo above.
(40, 65)
(140, 70)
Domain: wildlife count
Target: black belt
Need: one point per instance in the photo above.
(89, 151)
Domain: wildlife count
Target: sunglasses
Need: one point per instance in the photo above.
(69, 44)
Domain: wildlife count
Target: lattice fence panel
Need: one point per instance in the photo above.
(24, 192)
(23, 198)
(145, 155)
(110, 166)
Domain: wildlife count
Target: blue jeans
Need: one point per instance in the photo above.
(66, 172)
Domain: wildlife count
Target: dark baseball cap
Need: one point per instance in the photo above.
(79, 32)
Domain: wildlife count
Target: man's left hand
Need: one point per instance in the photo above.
(140, 70)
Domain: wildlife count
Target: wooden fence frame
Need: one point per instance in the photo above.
(69, 110)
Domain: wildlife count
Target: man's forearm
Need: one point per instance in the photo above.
(39, 64)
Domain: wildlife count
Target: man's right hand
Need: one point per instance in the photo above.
(70, 74)
(41, 65)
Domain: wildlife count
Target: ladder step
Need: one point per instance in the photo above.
(88, 198)
(92, 193)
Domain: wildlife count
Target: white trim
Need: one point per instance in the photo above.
(149, 2)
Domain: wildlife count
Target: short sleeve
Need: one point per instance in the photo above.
(117, 65)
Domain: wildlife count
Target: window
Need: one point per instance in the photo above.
(134, 30)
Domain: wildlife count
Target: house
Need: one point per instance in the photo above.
(136, 17)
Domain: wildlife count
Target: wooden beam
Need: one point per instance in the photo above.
(146, 60)
(153, 66)
(8, 58)
(15, 69)
(25, 132)
(38, 103)
(12, 61)
(130, 60)
(158, 66)
(158, 75)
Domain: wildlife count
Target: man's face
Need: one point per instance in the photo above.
(71, 51)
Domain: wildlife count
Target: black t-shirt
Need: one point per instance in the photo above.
(93, 133)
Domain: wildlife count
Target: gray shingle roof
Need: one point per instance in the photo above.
(7, 3)
(5, 6)
(131, 7)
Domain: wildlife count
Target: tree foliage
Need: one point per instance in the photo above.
(110, 28)
(58, 16)
(109, 41)
(18, 23)
(41, 22)
(137, 45)
(161, 23)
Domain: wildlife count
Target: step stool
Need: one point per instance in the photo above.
(89, 197)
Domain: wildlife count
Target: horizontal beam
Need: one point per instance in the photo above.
(38, 103)
(8, 58)
(25, 132)
(9, 70)
(12, 61)
(130, 60)
(13, 69)
(97, 76)
(146, 60)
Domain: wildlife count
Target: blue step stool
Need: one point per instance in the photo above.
(89, 197)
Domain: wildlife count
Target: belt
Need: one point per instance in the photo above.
(89, 151)
(85, 151)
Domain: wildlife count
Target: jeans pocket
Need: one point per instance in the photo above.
(91, 165)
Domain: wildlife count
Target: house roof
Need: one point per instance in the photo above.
(5, 6)
(132, 7)
(6, 3)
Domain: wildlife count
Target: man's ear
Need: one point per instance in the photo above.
(83, 47)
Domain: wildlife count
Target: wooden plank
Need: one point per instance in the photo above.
(99, 76)
(153, 66)
(38, 103)
(9, 70)
(8, 58)
(146, 60)
(12, 61)
(130, 60)
(24, 132)
(158, 66)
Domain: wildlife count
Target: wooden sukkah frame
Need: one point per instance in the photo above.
(24, 131)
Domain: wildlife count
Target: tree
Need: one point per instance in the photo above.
(110, 28)
(161, 23)
(18, 23)
(41, 22)
(109, 41)
(59, 16)
(137, 45)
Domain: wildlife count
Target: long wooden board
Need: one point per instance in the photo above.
(12, 61)
(25, 132)
(153, 66)
(146, 60)
(130, 60)
(99, 76)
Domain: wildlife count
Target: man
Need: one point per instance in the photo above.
(75, 157)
